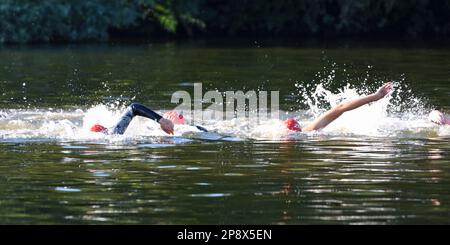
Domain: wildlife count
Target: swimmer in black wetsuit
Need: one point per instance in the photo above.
(133, 110)
(166, 122)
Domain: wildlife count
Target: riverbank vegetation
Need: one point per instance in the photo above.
(27, 21)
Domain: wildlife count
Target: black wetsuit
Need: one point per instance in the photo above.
(133, 110)
(137, 109)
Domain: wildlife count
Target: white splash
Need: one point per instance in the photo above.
(379, 119)
(392, 116)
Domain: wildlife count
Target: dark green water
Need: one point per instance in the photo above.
(398, 177)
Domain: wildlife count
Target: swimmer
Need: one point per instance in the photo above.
(166, 121)
(335, 112)
(439, 118)
(133, 110)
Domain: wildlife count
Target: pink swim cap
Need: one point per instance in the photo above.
(292, 124)
(175, 117)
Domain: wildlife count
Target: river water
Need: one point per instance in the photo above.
(383, 163)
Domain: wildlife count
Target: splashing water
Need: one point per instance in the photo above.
(383, 118)
(399, 114)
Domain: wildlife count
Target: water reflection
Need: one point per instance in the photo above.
(53, 175)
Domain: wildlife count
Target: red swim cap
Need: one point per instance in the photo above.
(292, 124)
(175, 117)
(98, 128)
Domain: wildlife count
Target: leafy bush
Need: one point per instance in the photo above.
(329, 17)
(75, 20)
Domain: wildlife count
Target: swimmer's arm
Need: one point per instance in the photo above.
(143, 111)
(335, 112)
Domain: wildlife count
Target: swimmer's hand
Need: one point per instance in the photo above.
(383, 90)
(166, 125)
(437, 117)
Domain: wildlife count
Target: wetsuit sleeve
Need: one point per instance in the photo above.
(133, 110)
(143, 111)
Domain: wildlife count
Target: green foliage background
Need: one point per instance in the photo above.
(76, 20)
